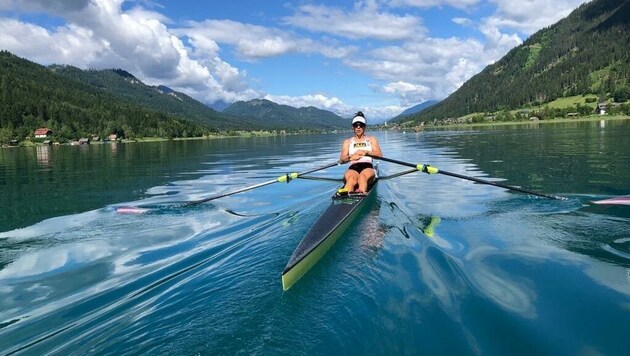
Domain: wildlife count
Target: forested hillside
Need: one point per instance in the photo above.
(417, 108)
(76, 103)
(585, 53)
(32, 96)
(125, 86)
(286, 117)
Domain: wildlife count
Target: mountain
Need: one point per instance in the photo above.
(584, 53)
(417, 108)
(219, 105)
(33, 96)
(75, 102)
(125, 86)
(286, 117)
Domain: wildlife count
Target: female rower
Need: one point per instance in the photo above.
(361, 171)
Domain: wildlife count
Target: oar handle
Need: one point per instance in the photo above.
(434, 170)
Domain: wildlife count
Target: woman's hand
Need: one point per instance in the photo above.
(357, 155)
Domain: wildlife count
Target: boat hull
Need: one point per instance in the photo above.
(325, 232)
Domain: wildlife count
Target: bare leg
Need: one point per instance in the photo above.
(351, 177)
(364, 178)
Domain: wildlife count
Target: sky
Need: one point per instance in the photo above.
(377, 56)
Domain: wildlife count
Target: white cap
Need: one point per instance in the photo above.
(359, 119)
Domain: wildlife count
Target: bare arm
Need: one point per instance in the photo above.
(344, 152)
(376, 149)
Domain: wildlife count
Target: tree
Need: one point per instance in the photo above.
(6, 135)
(621, 94)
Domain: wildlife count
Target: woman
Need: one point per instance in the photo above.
(361, 171)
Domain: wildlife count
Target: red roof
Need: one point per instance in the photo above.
(43, 131)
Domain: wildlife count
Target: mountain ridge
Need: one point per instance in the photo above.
(76, 103)
(122, 84)
(417, 108)
(584, 53)
(279, 115)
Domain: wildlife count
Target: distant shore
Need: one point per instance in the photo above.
(240, 134)
(248, 134)
(533, 122)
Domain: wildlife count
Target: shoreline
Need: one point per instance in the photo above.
(249, 134)
(536, 122)
(243, 134)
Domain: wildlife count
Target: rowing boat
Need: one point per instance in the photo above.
(324, 233)
(340, 214)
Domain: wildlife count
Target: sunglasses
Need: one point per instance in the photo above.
(358, 124)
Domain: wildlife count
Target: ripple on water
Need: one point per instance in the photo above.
(620, 248)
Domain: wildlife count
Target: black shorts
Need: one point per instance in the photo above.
(361, 166)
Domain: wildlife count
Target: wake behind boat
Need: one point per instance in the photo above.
(324, 233)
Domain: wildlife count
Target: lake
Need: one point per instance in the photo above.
(501, 273)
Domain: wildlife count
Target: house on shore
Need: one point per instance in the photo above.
(601, 108)
(43, 132)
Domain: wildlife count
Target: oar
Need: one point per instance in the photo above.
(283, 178)
(434, 170)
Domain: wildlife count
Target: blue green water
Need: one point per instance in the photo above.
(503, 273)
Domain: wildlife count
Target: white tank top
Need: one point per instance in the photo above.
(364, 145)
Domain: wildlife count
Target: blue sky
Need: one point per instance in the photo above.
(378, 56)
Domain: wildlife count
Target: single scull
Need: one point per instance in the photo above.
(324, 233)
(342, 212)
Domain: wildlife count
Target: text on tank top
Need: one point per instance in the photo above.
(364, 145)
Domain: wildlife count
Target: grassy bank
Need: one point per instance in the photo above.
(531, 122)
(233, 134)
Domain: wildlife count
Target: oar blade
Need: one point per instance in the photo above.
(622, 200)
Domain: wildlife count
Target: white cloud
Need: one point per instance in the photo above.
(189, 57)
(364, 21)
(462, 21)
(378, 114)
(461, 4)
(531, 15)
(375, 114)
(439, 64)
(256, 42)
(318, 100)
(410, 94)
(68, 44)
(47, 6)
(99, 34)
(210, 79)
(251, 41)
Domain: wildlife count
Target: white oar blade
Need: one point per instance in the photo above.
(623, 200)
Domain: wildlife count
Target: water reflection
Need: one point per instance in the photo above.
(495, 282)
(54, 259)
(113, 147)
(438, 264)
(43, 155)
(561, 155)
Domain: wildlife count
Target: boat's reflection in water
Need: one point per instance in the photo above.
(372, 230)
